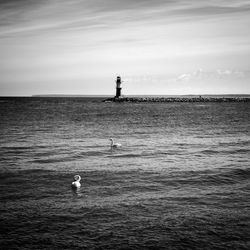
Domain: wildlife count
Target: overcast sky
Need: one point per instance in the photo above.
(157, 46)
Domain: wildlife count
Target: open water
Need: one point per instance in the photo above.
(181, 179)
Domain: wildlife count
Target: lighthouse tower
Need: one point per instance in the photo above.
(118, 87)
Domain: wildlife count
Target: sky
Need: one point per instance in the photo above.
(158, 47)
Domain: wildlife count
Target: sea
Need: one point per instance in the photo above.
(180, 180)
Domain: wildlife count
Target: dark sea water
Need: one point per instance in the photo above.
(181, 179)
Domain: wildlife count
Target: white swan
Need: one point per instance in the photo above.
(76, 183)
(114, 145)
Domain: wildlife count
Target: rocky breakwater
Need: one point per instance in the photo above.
(177, 99)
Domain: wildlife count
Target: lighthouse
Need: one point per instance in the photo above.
(118, 87)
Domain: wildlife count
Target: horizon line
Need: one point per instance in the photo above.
(141, 95)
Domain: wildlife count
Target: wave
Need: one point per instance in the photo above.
(217, 177)
(225, 151)
(66, 156)
(238, 173)
(147, 154)
(124, 156)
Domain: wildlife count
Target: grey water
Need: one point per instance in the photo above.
(181, 179)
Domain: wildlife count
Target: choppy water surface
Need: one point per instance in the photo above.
(179, 181)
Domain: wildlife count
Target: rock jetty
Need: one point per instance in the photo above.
(177, 99)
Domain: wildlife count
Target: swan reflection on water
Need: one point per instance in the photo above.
(76, 192)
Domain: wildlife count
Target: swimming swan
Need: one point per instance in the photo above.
(76, 183)
(114, 145)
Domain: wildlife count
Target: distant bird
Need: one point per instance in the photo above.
(76, 183)
(114, 145)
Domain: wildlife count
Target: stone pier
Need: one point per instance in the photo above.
(177, 99)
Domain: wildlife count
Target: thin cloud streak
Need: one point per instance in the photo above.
(27, 16)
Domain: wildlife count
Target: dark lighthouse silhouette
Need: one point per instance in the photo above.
(118, 87)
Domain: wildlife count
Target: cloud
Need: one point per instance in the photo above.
(211, 75)
(211, 10)
(19, 16)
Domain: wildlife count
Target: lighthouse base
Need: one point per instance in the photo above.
(118, 92)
